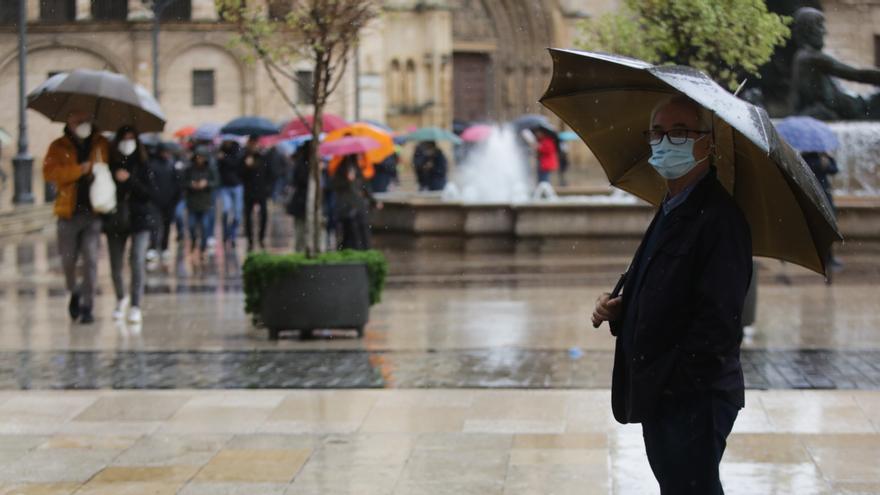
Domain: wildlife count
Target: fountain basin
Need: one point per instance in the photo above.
(566, 226)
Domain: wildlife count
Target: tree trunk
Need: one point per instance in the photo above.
(314, 201)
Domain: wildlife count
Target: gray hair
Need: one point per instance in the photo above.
(704, 116)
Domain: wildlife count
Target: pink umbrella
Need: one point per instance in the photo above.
(349, 145)
(298, 127)
(476, 133)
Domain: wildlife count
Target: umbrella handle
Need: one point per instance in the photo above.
(617, 288)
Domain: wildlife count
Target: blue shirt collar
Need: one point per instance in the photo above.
(671, 203)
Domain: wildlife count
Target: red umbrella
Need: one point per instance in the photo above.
(476, 133)
(298, 126)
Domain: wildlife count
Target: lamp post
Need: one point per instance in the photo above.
(158, 7)
(23, 163)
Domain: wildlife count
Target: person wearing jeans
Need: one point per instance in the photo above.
(68, 165)
(135, 217)
(259, 181)
(200, 181)
(229, 161)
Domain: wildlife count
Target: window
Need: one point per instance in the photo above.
(58, 10)
(178, 10)
(8, 12)
(109, 10)
(305, 83)
(203, 88)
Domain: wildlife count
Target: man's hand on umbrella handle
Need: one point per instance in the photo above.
(607, 309)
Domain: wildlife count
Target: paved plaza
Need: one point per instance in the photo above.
(477, 374)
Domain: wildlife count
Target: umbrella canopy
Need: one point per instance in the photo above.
(568, 136)
(5, 138)
(184, 132)
(476, 133)
(383, 138)
(349, 145)
(206, 132)
(432, 134)
(299, 127)
(608, 101)
(381, 125)
(532, 121)
(250, 126)
(111, 98)
(807, 134)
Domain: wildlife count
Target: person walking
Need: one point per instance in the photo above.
(548, 154)
(677, 368)
(167, 175)
(231, 191)
(296, 207)
(353, 199)
(135, 217)
(386, 174)
(68, 165)
(431, 166)
(824, 167)
(200, 180)
(259, 181)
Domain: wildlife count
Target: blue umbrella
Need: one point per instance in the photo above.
(206, 132)
(808, 135)
(250, 126)
(289, 146)
(532, 121)
(432, 134)
(568, 136)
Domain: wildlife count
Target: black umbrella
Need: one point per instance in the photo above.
(250, 126)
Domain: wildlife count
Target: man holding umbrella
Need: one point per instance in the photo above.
(68, 164)
(677, 368)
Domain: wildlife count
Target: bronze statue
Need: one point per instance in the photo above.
(814, 92)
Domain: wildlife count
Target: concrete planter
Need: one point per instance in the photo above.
(315, 297)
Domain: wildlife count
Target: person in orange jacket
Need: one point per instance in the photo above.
(68, 165)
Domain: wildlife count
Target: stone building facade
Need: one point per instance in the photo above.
(422, 62)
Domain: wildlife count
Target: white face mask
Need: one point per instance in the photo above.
(83, 130)
(127, 146)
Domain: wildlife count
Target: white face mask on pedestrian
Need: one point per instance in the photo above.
(127, 146)
(673, 161)
(84, 130)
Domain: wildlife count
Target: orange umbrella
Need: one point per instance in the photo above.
(369, 158)
(184, 132)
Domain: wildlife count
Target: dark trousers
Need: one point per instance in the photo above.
(249, 204)
(355, 231)
(160, 232)
(685, 441)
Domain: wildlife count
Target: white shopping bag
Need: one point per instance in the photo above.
(102, 193)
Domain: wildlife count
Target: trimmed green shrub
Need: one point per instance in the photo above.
(262, 270)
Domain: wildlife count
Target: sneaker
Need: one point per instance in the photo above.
(119, 311)
(73, 306)
(152, 255)
(135, 315)
(86, 316)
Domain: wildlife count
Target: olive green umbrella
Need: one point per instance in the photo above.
(607, 100)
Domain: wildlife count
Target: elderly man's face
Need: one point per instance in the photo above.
(678, 115)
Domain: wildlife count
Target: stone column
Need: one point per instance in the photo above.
(137, 11)
(33, 10)
(204, 10)
(83, 10)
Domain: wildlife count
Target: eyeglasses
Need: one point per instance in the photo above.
(674, 136)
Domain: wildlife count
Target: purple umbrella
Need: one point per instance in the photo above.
(807, 134)
(206, 132)
(349, 145)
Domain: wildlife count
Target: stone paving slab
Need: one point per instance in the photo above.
(486, 368)
(395, 442)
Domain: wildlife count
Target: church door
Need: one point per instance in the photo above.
(471, 79)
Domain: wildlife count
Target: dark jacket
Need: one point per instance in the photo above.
(140, 191)
(386, 174)
(685, 329)
(258, 178)
(352, 196)
(430, 168)
(229, 165)
(299, 181)
(168, 182)
(200, 200)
